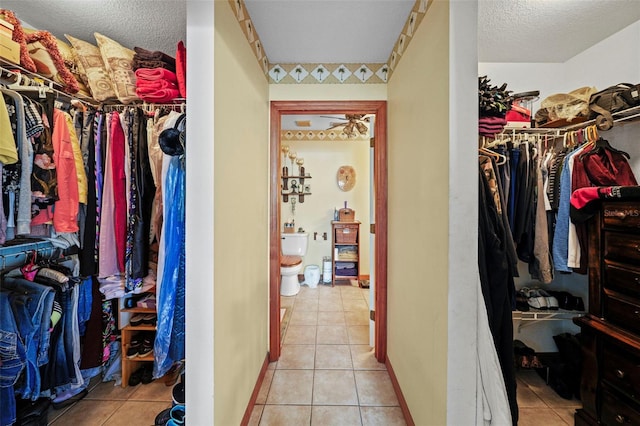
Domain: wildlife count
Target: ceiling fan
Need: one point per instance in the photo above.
(353, 125)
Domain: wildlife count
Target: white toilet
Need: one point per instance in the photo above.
(294, 246)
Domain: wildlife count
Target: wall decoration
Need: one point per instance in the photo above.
(320, 135)
(342, 73)
(346, 178)
(320, 73)
(299, 73)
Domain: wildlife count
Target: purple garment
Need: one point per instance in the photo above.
(99, 119)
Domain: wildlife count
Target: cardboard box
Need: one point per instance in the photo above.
(9, 50)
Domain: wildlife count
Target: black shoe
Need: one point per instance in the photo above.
(163, 417)
(147, 347)
(149, 319)
(147, 374)
(134, 347)
(178, 393)
(137, 320)
(136, 377)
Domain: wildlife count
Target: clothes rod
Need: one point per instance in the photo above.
(14, 256)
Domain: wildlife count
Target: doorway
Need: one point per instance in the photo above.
(379, 270)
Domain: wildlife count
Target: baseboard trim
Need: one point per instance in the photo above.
(396, 387)
(256, 391)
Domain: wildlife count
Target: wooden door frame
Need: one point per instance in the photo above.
(379, 108)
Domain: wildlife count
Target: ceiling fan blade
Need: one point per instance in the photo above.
(335, 126)
(333, 123)
(330, 116)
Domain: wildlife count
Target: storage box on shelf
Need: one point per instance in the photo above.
(128, 332)
(345, 250)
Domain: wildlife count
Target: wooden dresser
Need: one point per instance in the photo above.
(610, 385)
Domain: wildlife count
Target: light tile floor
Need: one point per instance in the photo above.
(111, 405)
(327, 373)
(539, 404)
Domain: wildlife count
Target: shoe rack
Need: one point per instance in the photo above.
(345, 235)
(129, 365)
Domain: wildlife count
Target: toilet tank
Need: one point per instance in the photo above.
(295, 244)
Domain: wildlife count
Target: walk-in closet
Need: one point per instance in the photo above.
(558, 199)
(93, 209)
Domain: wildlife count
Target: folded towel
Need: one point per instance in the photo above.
(141, 83)
(158, 96)
(156, 74)
(155, 55)
(137, 64)
(491, 128)
(492, 120)
(145, 90)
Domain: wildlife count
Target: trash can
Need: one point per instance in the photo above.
(326, 270)
(312, 275)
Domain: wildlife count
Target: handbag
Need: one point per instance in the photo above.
(613, 99)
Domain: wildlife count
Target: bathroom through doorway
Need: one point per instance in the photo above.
(375, 234)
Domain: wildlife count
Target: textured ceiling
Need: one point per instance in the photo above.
(343, 31)
(151, 24)
(321, 31)
(548, 30)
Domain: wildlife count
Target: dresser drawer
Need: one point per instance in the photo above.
(615, 411)
(622, 247)
(622, 278)
(621, 215)
(623, 313)
(621, 369)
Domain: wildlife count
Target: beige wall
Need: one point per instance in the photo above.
(328, 92)
(418, 96)
(241, 218)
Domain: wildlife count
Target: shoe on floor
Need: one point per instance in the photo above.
(163, 417)
(177, 414)
(64, 401)
(147, 374)
(136, 377)
(171, 377)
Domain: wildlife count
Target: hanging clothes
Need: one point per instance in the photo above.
(599, 164)
(143, 191)
(169, 345)
(498, 290)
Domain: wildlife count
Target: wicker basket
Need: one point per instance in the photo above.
(346, 235)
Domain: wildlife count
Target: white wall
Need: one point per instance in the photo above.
(613, 60)
(199, 227)
(463, 209)
(322, 160)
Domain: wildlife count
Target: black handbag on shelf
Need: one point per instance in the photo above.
(613, 99)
